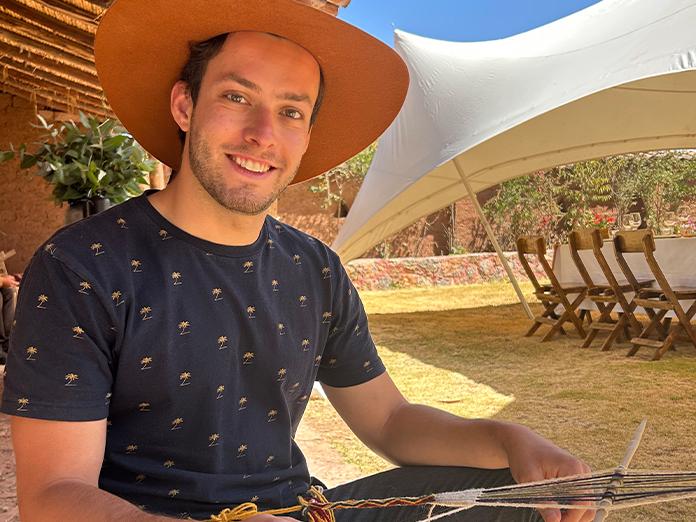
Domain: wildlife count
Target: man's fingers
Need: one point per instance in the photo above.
(550, 515)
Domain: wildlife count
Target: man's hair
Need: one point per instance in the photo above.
(200, 53)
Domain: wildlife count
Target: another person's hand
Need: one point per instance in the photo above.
(8, 281)
(533, 458)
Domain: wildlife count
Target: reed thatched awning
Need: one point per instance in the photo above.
(47, 51)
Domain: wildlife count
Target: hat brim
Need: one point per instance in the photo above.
(141, 47)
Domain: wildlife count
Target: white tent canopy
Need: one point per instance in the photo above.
(617, 77)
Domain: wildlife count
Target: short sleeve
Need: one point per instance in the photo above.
(350, 356)
(59, 364)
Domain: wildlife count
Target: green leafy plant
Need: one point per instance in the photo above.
(332, 183)
(93, 159)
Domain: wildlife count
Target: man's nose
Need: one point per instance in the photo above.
(260, 130)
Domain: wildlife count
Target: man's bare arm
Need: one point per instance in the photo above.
(58, 466)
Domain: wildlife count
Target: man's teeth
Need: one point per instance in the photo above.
(254, 166)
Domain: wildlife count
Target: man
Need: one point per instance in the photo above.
(9, 284)
(165, 349)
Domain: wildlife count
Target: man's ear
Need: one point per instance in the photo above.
(181, 105)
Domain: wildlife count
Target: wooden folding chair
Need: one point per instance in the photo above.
(605, 296)
(657, 302)
(550, 295)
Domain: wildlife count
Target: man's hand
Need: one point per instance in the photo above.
(533, 458)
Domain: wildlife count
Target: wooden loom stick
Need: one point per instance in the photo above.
(605, 504)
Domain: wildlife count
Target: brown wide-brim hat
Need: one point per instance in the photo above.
(141, 47)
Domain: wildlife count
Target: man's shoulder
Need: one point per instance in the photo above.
(300, 240)
(91, 236)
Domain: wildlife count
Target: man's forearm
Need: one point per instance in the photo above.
(417, 434)
(74, 500)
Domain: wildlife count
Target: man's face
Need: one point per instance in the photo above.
(250, 125)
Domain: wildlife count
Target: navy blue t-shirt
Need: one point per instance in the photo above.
(201, 356)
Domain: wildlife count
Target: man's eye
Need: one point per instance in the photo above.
(293, 113)
(235, 98)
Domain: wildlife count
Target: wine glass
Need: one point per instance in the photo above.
(670, 221)
(633, 220)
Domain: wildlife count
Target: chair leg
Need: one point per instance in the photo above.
(665, 346)
(654, 322)
(590, 337)
(614, 334)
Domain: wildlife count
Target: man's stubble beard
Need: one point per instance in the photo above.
(212, 179)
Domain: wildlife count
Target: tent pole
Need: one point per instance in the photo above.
(493, 239)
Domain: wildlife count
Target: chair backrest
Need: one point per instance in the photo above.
(579, 240)
(529, 245)
(649, 252)
(630, 242)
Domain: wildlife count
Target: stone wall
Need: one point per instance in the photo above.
(28, 215)
(383, 274)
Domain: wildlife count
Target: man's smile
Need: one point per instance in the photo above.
(251, 166)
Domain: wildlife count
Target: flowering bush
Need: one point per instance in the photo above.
(604, 218)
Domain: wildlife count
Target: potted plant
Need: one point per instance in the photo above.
(91, 165)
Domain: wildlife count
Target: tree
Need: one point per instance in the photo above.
(333, 183)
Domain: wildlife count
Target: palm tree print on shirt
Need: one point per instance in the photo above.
(164, 234)
(222, 342)
(242, 403)
(251, 310)
(270, 243)
(31, 352)
(270, 460)
(50, 248)
(272, 415)
(317, 360)
(305, 345)
(23, 403)
(248, 357)
(136, 264)
(139, 478)
(214, 439)
(281, 328)
(176, 276)
(173, 492)
(72, 379)
(326, 318)
(217, 293)
(282, 374)
(275, 284)
(185, 377)
(85, 287)
(78, 332)
(241, 450)
(326, 272)
(297, 259)
(248, 267)
(183, 327)
(116, 297)
(131, 448)
(121, 222)
(43, 299)
(145, 313)
(145, 363)
(302, 300)
(367, 366)
(144, 406)
(220, 391)
(168, 464)
(177, 424)
(96, 248)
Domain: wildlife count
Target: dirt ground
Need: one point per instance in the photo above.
(323, 461)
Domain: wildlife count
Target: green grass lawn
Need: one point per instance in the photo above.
(461, 349)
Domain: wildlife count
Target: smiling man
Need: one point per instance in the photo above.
(165, 349)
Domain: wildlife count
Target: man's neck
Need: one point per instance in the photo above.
(185, 204)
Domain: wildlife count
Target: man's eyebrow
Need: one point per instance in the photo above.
(290, 96)
(240, 80)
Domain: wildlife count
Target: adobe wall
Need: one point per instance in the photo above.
(28, 215)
